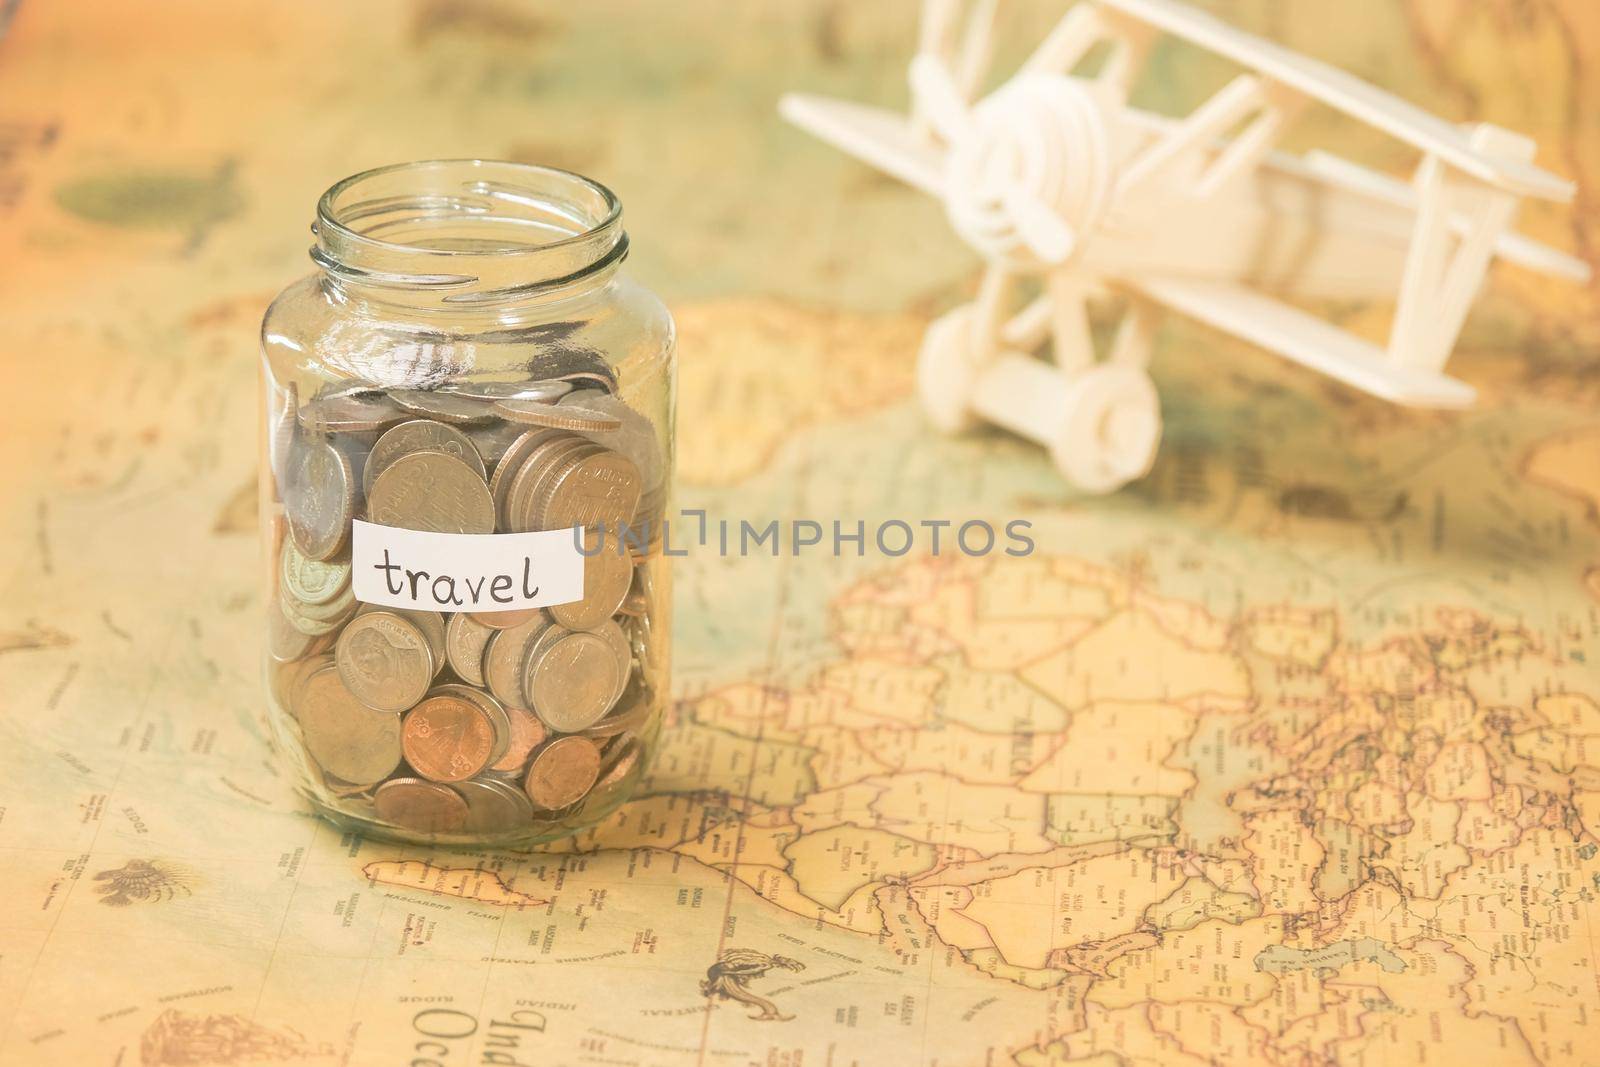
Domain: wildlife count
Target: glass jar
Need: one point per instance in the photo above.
(466, 455)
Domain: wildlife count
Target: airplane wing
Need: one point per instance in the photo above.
(1346, 93)
(879, 138)
(1305, 339)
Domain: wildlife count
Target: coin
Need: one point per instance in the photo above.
(446, 407)
(499, 718)
(447, 738)
(493, 439)
(432, 625)
(599, 487)
(607, 577)
(284, 424)
(635, 436)
(319, 498)
(349, 412)
(573, 364)
(421, 806)
(505, 656)
(419, 435)
(562, 772)
(494, 806)
(464, 641)
(431, 491)
(311, 581)
(285, 640)
(354, 387)
(541, 461)
(613, 635)
(619, 760)
(635, 603)
(630, 714)
(508, 466)
(549, 390)
(348, 739)
(543, 413)
(527, 734)
(386, 660)
(287, 678)
(570, 680)
(505, 620)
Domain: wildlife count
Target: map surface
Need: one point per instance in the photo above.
(1288, 754)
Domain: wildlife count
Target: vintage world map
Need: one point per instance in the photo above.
(1288, 754)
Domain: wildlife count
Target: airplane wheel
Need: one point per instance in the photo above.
(1111, 428)
(947, 371)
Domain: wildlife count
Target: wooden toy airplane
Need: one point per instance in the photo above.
(1068, 191)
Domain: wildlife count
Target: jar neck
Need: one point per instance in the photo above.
(467, 239)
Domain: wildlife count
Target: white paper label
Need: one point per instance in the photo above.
(464, 572)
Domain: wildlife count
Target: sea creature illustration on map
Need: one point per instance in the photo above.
(179, 1039)
(727, 977)
(141, 882)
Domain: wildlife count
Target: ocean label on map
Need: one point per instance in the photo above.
(464, 572)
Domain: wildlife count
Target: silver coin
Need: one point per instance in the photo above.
(549, 391)
(419, 435)
(635, 437)
(494, 806)
(607, 577)
(570, 680)
(446, 407)
(319, 498)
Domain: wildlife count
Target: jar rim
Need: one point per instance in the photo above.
(327, 214)
(495, 231)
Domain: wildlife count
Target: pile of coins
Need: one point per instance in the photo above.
(470, 724)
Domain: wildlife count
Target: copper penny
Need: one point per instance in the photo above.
(527, 734)
(447, 738)
(562, 772)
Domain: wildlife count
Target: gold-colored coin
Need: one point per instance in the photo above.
(347, 738)
(386, 660)
(562, 772)
(419, 435)
(431, 491)
(425, 807)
